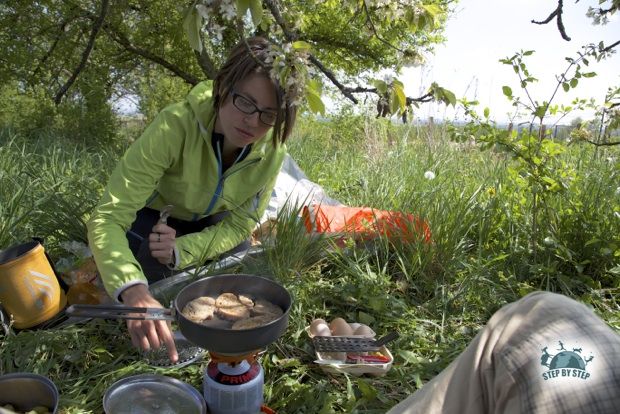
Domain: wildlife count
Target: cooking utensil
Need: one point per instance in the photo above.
(188, 353)
(25, 391)
(165, 213)
(213, 338)
(153, 394)
(350, 343)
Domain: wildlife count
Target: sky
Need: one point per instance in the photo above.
(481, 32)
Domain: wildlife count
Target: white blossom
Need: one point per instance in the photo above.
(429, 175)
(228, 10)
(217, 31)
(203, 10)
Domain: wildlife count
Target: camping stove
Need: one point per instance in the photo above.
(233, 384)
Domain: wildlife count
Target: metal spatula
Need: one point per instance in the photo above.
(350, 344)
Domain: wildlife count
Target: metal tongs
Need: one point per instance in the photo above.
(350, 343)
(120, 312)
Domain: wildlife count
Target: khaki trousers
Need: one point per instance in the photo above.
(544, 353)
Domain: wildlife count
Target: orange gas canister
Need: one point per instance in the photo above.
(29, 289)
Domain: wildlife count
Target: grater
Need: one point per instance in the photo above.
(350, 343)
(188, 354)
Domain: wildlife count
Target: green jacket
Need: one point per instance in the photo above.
(173, 162)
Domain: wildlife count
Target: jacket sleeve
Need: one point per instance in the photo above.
(131, 184)
(195, 248)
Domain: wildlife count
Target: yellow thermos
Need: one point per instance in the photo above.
(29, 289)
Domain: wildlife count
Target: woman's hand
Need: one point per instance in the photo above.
(162, 243)
(149, 334)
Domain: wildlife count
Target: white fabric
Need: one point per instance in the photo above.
(294, 189)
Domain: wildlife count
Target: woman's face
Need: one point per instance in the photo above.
(240, 128)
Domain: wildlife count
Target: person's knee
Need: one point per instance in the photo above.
(542, 299)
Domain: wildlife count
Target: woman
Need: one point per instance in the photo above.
(214, 158)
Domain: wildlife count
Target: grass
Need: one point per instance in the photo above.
(437, 295)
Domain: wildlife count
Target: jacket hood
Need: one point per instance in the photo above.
(200, 99)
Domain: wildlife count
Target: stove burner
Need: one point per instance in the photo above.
(234, 359)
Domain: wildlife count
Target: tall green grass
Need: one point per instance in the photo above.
(437, 294)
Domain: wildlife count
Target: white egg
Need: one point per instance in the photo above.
(340, 327)
(319, 327)
(365, 331)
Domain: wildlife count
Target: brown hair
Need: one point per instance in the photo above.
(248, 57)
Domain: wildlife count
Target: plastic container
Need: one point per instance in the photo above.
(29, 289)
(335, 367)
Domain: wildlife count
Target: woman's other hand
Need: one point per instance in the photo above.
(162, 243)
(148, 334)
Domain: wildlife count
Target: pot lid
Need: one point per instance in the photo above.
(153, 394)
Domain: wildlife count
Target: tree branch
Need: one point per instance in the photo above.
(117, 36)
(205, 62)
(61, 32)
(86, 53)
(557, 13)
(374, 29)
(602, 144)
(611, 46)
(345, 90)
(123, 41)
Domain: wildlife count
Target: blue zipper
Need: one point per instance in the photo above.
(221, 177)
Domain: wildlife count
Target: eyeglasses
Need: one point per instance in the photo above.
(247, 107)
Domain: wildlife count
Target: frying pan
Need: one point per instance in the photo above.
(215, 339)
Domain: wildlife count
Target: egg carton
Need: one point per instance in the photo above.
(334, 366)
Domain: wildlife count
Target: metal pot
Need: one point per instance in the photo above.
(153, 394)
(215, 339)
(25, 391)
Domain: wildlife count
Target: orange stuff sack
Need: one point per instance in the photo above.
(365, 222)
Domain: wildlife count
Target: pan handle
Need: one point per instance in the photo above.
(120, 312)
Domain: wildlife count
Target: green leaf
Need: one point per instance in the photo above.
(380, 85)
(487, 112)
(565, 86)
(449, 97)
(540, 111)
(242, 7)
(528, 52)
(394, 103)
(314, 101)
(589, 74)
(301, 45)
(408, 357)
(398, 91)
(256, 8)
(192, 24)
(507, 91)
(365, 318)
(574, 82)
(368, 391)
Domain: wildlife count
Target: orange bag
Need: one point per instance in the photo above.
(365, 221)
